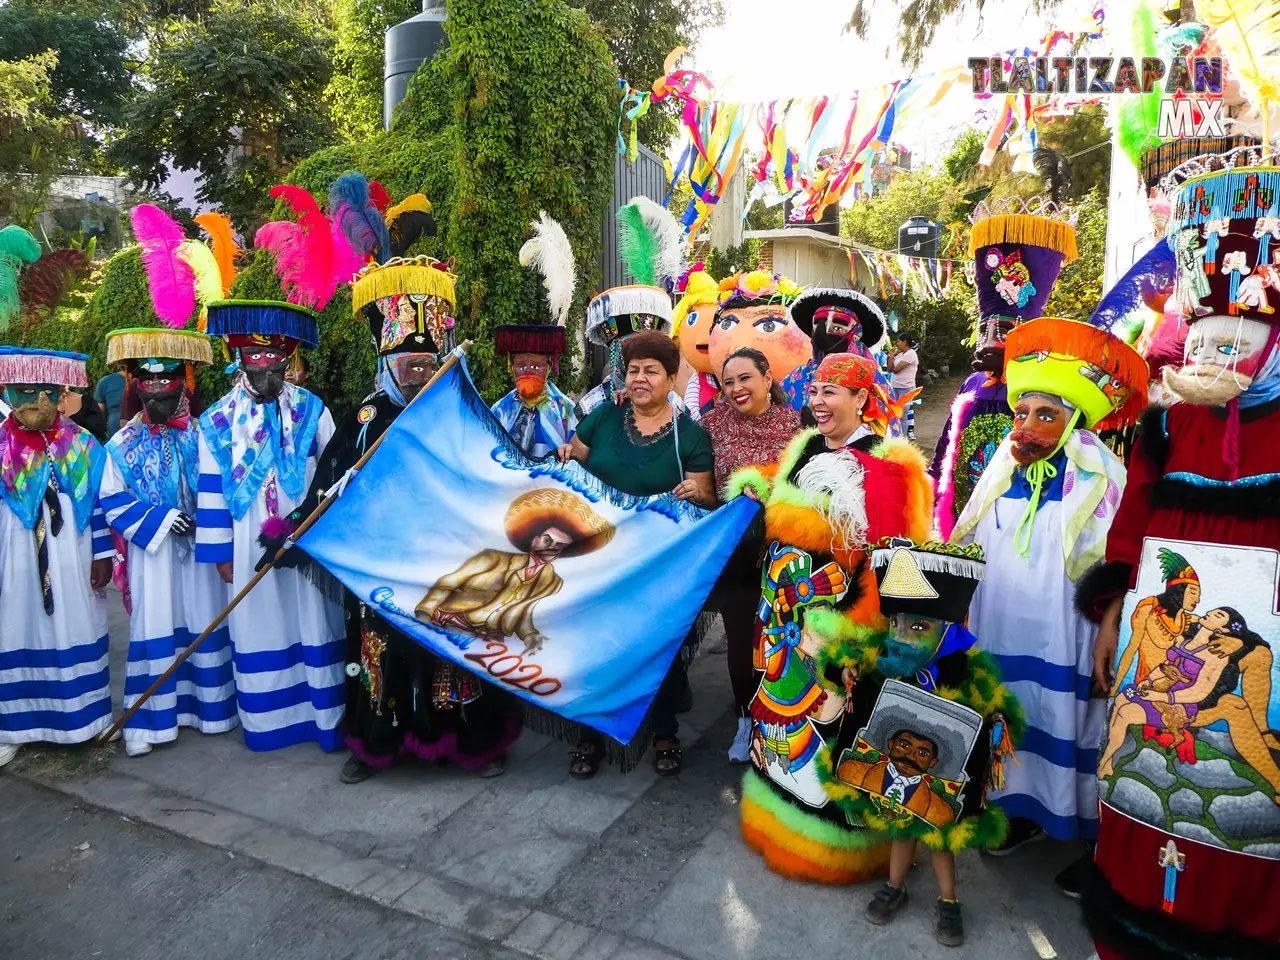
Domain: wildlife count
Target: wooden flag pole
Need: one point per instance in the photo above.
(306, 525)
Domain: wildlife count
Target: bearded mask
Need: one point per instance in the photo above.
(910, 645)
(1221, 359)
(35, 407)
(161, 395)
(1038, 425)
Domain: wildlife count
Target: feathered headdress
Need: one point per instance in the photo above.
(45, 282)
(548, 251)
(650, 242)
(225, 248)
(303, 251)
(17, 247)
(353, 210)
(169, 275)
(1248, 33)
(208, 278)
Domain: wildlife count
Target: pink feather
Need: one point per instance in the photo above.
(283, 239)
(312, 275)
(346, 262)
(170, 277)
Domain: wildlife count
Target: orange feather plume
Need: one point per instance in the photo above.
(222, 240)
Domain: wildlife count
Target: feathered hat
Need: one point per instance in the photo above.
(547, 259)
(649, 244)
(1225, 235)
(1019, 249)
(821, 303)
(263, 323)
(1093, 370)
(183, 274)
(131, 344)
(17, 249)
(379, 243)
(27, 365)
(930, 579)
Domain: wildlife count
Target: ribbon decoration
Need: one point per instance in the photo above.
(633, 106)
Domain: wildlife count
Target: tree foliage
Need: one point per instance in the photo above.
(34, 142)
(918, 20)
(355, 89)
(236, 95)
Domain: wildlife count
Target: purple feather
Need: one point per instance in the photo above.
(1153, 272)
(361, 223)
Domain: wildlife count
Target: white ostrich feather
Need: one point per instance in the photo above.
(548, 251)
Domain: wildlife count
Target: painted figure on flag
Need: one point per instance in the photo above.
(492, 595)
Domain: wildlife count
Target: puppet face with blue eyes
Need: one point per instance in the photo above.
(1221, 359)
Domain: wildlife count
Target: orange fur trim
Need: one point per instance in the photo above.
(799, 858)
(801, 527)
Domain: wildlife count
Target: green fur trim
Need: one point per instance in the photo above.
(848, 644)
(984, 831)
(787, 462)
(757, 790)
(888, 445)
(747, 478)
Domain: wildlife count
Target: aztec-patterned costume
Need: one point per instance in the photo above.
(149, 495)
(819, 591)
(1041, 526)
(256, 461)
(859, 327)
(401, 700)
(53, 629)
(691, 329)
(1194, 871)
(650, 242)
(537, 415)
(955, 698)
(1017, 259)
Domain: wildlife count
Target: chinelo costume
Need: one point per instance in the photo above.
(1017, 258)
(650, 242)
(53, 628)
(1042, 525)
(1188, 857)
(402, 701)
(149, 491)
(838, 321)
(259, 446)
(537, 415)
(822, 508)
(936, 581)
(691, 328)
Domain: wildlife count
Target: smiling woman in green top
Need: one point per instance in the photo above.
(645, 446)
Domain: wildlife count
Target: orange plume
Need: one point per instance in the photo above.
(224, 246)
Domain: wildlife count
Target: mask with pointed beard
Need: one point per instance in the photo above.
(161, 405)
(266, 382)
(39, 415)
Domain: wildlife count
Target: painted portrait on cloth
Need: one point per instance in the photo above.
(910, 757)
(1191, 744)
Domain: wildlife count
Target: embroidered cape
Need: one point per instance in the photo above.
(154, 462)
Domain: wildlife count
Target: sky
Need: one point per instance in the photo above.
(758, 55)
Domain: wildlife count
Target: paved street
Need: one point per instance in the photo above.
(270, 853)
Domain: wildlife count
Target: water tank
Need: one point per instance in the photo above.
(407, 46)
(918, 237)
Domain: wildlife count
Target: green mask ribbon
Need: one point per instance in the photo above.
(1037, 473)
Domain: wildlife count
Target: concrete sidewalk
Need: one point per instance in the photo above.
(618, 866)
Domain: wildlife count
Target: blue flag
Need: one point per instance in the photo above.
(533, 575)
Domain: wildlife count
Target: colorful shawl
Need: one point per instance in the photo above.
(155, 462)
(248, 439)
(1091, 488)
(27, 459)
(553, 425)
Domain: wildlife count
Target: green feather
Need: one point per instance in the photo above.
(1171, 564)
(637, 246)
(17, 247)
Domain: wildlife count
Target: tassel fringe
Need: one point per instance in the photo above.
(420, 276)
(139, 343)
(18, 365)
(263, 318)
(1025, 228)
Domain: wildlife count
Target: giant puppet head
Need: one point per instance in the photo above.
(753, 312)
(694, 315)
(1018, 255)
(159, 367)
(1225, 232)
(33, 381)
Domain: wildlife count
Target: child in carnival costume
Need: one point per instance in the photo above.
(839, 321)
(149, 494)
(1041, 512)
(55, 559)
(1017, 259)
(537, 415)
(1203, 478)
(928, 786)
(650, 243)
(836, 489)
(691, 329)
(259, 448)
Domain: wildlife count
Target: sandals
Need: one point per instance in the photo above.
(667, 761)
(585, 761)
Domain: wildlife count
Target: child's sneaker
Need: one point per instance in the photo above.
(949, 930)
(887, 901)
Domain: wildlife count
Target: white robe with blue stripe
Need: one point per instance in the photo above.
(53, 668)
(1023, 613)
(287, 638)
(174, 599)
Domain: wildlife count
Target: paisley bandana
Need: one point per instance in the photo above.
(28, 458)
(250, 441)
(156, 462)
